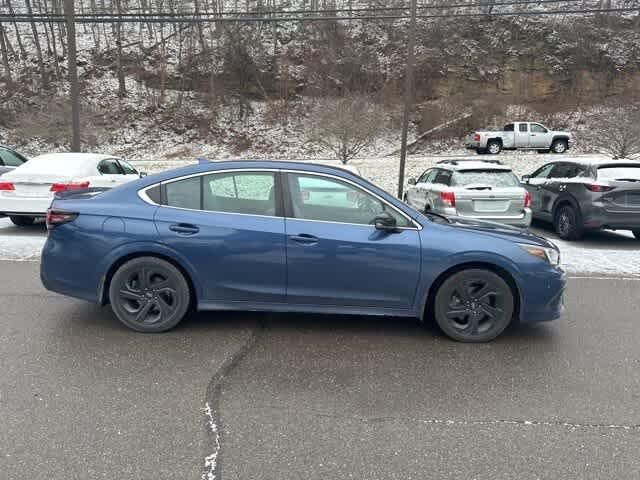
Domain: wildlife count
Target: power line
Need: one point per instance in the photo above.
(189, 18)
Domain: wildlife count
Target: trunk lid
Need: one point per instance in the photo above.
(478, 200)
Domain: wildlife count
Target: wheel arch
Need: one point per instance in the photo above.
(105, 283)
(496, 139)
(566, 199)
(560, 137)
(427, 313)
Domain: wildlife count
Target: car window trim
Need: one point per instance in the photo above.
(281, 188)
(142, 193)
(289, 207)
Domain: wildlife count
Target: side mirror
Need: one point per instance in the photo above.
(142, 174)
(412, 181)
(385, 221)
(526, 178)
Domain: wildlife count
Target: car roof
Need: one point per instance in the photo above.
(595, 161)
(462, 164)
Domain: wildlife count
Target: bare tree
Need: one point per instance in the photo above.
(347, 125)
(5, 55)
(618, 133)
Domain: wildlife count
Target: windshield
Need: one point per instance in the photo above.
(619, 173)
(491, 178)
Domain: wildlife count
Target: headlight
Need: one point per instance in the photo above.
(549, 255)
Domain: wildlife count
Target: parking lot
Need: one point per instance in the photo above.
(246, 395)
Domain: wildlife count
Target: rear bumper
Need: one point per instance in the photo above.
(599, 218)
(33, 206)
(522, 221)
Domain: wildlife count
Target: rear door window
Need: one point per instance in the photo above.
(249, 193)
(184, 193)
(443, 177)
(508, 127)
(563, 170)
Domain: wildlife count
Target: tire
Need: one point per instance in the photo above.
(149, 295)
(567, 223)
(636, 233)
(559, 146)
(474, 306)
(481, 151)
(21, 221)
(494, 147)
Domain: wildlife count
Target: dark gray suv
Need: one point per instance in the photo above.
(586, 194)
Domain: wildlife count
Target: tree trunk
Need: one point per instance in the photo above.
(122, 88)
(36, 39)
(5, 55)
(23, 52)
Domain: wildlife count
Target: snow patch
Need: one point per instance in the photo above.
(211, 461)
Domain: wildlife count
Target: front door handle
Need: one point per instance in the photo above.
(184, 228)
(304, 238)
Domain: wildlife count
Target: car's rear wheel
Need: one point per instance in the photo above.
(22, 221)
(559, 146)
(566, 223)
(636, 233)
(494, 147)
(149, 295)
(474, 305)
(481, 151)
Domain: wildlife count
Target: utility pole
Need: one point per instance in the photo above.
(408, 94)
(69, 11)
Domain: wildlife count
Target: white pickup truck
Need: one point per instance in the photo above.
(516, 135)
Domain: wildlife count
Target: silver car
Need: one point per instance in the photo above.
(485, 190)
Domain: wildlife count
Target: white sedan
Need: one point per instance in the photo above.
(27, 191)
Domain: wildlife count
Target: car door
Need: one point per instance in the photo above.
(522, 135)
(228, 225)
(539, 136)
(555, 185)
(420, 191)
(336, 257)
(109, 174)
(535, 186)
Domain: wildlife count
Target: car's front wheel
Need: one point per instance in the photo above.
(474, 305)
(149, 295)
(22, 221)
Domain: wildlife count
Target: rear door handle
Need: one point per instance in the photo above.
(184, 228)
(304, 238)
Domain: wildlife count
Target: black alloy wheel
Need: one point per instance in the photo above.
(149, 295)
(474, 305)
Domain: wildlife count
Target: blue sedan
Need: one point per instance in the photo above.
(283, 236)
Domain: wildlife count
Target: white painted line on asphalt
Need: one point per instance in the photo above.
(211, 461)
(636, 279)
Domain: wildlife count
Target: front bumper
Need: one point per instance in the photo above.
(542, 295)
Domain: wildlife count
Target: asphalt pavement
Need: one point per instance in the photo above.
(257, 396)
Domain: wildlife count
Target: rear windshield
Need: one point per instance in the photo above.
(613, 172)
(490, 178)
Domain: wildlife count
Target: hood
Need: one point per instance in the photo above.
(515, 234)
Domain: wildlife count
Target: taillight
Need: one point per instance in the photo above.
(59, 217)
(448, 198)
(6, 186)
(527, 200)
(63, 187)
(592, 187)
(476, 137)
